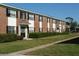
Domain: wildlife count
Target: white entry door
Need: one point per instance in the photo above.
(22, 31)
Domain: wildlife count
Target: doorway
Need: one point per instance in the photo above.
(23, 31)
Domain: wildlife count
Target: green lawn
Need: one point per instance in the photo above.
(58, 50)
(25, 44)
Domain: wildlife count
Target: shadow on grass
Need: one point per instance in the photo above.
(73, 41)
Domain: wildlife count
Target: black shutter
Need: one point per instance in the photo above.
(6, 29)
(7, 12)
(24, 15)
(16, 14)
(28, 16)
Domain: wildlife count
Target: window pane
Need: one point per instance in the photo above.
(40, 29)
(11, 13)
(10, 29)
(40, 18)
(31, 17)
(48, 20)
(31, 29)
(21, 15)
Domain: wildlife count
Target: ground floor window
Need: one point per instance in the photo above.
(10, 29)
(40, 29)
(48, 29)
(31, 29)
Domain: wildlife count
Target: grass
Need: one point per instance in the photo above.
(58, 50)
(22, 44)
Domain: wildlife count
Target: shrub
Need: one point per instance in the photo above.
(20, 37)
(8, 37)
(44, 34)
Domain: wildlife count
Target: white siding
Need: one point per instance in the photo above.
(31, 23)
(48, 26)
(11, 21)
(60, 27)
(31, 26)
(54, 26)
(64, 27)
(40, 24)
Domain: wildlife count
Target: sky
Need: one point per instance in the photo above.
(56, 10)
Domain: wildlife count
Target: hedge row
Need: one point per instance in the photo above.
(44, 34)
(14, 37)
(8, 37)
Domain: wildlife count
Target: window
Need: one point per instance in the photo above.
(31, 17)
(48, 19)
(48, 29)
(54, 21)
(17, 14)
(57, 28)
(11, 13)
(40, 29)
(11, 29)
(40, 18)
(31, 29)
(21, 15)
(25, 15)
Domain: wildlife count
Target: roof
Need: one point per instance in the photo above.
(4, 5)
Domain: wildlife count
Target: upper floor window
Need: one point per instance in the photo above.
(11, 13)
(57, 21)
(31, 16)
(23, 15)
(60, 22)
(40, 18)
(54, 21)
(48, 20)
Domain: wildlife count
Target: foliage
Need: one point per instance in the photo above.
(8, 37)
(44, 34)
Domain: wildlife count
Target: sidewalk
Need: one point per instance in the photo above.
(22, 52)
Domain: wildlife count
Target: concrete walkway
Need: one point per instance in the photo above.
(21, 53)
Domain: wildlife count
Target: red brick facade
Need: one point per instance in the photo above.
(44, 24)
(51, 25)
(3, 20)
(20, 21)
(36, 23)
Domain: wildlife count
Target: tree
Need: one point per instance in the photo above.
(78, 25)
(70, 20)
(73, 24)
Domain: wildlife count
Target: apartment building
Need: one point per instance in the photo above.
(21, 22)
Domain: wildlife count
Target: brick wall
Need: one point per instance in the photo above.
(25, 21)
(44, 24)
(36, 23)
(51, 25)
(3, 20)
(20, 21)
